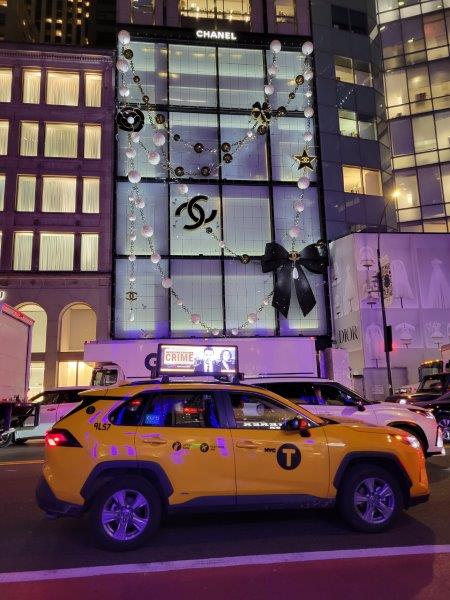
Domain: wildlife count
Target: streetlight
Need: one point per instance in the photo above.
(387, 330)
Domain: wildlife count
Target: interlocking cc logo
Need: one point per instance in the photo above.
(196, 212)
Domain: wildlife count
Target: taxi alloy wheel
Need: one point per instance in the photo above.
(444, 423)
(125, 515)
(369, 498)
(125, 512)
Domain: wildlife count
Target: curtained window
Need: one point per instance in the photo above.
(31, 93)
(23, 249)
(59, 194)
(26, 190)
(29, 133)
(5, 84)
(91, 194)
(4, 130)
(56, 252)
(2, 191)
(93, 85)
(89, 252)
(92, 141)
(61, 140)
(63, 88)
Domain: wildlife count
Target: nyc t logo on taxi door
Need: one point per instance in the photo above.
(288, 457)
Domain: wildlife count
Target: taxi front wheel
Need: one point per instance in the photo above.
(369, 498)
(125, 513)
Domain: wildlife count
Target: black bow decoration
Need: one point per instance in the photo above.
(276, 258)
(261, 112)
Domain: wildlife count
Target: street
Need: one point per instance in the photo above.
(29, 542)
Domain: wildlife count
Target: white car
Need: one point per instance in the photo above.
(328, 398)
(47, 408)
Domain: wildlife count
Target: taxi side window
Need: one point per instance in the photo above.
(257, 412)
(181, 409)
(129, 413)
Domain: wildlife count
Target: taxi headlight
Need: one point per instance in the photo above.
(410, 440)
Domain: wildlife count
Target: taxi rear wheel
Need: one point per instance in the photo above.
(125, 513)
(369, 498)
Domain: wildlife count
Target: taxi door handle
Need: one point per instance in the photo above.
(155, 441)
(247, 444)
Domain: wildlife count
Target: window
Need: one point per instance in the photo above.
(78, 325)
(333, 396)
(181, 409)
(56, 251)
(349, 70)
(5, 84)
(285, 11)
(61, 140)
(31, 93)
(297, 392)
(92, 141)
(39, 316)
(257, 412)
(26, 192)
(348, 20)
(74, 373)
(424, 133)
(89, 252)
(93, 89)
(62, 88)
(362, 181)
(23, 248)
(2, 191)
(230, 10)
(91, 194)
(29, 133)
(59, 194)
(4, 131)
(352, 125)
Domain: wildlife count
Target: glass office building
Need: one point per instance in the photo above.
(205, 89)
(415, 38)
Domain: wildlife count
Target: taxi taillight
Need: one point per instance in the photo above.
(60, 437)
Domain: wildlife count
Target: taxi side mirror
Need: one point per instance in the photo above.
(296, 424)
(360, 406)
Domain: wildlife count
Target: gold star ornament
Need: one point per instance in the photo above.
(305, 161)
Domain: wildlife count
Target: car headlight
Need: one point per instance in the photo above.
(402, 401)
(410, 440)
(425, 413)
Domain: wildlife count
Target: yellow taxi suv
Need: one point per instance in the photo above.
(131, 453)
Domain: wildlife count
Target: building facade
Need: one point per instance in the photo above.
(202, 84)
(415, 38)
(56, 171)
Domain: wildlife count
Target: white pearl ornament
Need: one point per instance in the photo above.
(309, 112)
(155, 258)
(269, 89)
(183, 188)
(122, 65)
(140, 203)
(252, 318)
(275, 46)
(134, 176)
(124, 37)
(159, 139)
(124, 91)
(307, 48)
(299, 206)
(154, 158)
(272, 70)
(166, 283)
(294, 232)
(130, 152)
(135, 137)
(195, 318)
(307, 136)
(308, 75)
(303, 183)
(147, 231)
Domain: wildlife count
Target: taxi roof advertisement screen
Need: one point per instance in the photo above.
(176, 359)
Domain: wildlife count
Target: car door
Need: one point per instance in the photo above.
(301, 393)
(187, 435)
(47, 412)
(272, 462)
(67, 400)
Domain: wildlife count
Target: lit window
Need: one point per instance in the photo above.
(59, 194)
(73, 373)
(26, 192)
(2, 191)
(4, 130)
(229, 10)
(285, 11)
(89, 252)
(39, 333)
(93, 84)
(29, 133)
(92, 141)
(348, 124)
(91, 194)
(56, 252)
(362, 181)
(5, 85)
(349, 70)
(343, 69)
(63, 88)
(31, 86)
(78, 325)
(23, 250)
(61, 140)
